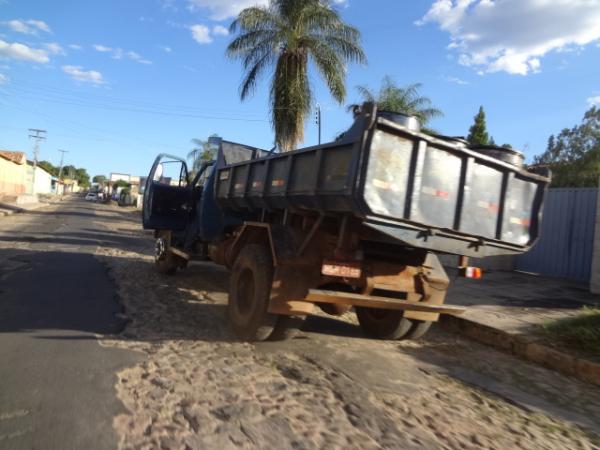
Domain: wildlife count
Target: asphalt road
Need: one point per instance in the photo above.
(57, 381)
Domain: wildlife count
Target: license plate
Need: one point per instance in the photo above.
(341, 269)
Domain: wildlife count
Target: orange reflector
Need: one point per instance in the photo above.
(470, 272)
(341, 269)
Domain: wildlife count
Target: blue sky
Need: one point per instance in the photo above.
(115, 82)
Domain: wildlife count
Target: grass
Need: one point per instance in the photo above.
(581, 332)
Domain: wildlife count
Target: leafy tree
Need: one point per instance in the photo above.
(478, 134)
(286, 35)
(82, 177)
(48, 167)
(405, 100)
(574, 154)
(101, 179)
(121, 184)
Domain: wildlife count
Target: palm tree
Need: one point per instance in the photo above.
(286, 35)
(201, 152)
(405, 100)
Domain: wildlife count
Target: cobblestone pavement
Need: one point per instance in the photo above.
(328, 388)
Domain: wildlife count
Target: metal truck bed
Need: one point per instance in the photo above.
(406, 186)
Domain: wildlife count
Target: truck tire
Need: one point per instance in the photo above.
(390, 324)
(165, 261)
(249, 294)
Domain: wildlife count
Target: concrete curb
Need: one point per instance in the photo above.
(524, 347)
(14, 209)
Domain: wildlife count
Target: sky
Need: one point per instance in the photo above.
(116, 82)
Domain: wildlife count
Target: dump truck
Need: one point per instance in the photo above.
(355, 224)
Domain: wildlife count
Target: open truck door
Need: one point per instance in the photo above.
(167, 195)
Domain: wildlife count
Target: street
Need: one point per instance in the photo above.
(97, 350)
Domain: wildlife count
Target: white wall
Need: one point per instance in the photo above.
(43, 182)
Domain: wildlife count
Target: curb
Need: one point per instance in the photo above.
(524, 347)
(16, 209)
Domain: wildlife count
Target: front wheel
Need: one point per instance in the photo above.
(389, 324)
(165, 260)
(249, 294)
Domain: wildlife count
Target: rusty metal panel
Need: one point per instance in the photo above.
(567, 236)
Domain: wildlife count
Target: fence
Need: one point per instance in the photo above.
(565, 248)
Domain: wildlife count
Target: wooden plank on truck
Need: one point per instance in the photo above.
(372, 301)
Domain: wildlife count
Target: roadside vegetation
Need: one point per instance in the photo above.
(286, 37)
(580, 333)
(405, 100)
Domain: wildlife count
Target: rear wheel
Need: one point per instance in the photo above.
(249, 294)
(389, 324)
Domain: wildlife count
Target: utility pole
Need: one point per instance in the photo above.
(38, 135)
(61, 167)
(318, 120)
(62, 156)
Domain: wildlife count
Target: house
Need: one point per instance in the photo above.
(38, 180)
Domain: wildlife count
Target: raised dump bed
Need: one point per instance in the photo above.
(404, 185)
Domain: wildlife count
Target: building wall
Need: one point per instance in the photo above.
(12, 178)
(595, 270)
(43, 182)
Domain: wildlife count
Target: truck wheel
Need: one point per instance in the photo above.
(287, 327)
(249, 293)
(390, 324)
(165, 261)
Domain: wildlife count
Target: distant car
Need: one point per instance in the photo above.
(91, 197)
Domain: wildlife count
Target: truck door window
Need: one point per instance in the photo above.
(171, 173)
(205, 171)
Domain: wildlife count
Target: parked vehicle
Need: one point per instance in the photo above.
(91, 197)
(353, 223)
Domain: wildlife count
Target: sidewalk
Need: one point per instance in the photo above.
(506, 310)
(6, 209)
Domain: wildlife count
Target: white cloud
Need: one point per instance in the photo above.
(22, 52)
(165, 48)
(220, 30)
(594, 101)
(205, 35)
(102, 48)
(3, 79)
(201, 34)
(224, 9)
(119, 53)
(85, 76)
(75, 46)
(30, 26)
(513, 35)
(54, 48)
(456, 80)
(138, 58)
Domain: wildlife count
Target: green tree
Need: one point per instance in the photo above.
(121, 184)
(82, 177)
(201, 152)
(405, 100)
(574, 154)
(478, 134)
(286, 35)
(48, 167)
(101, 179)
